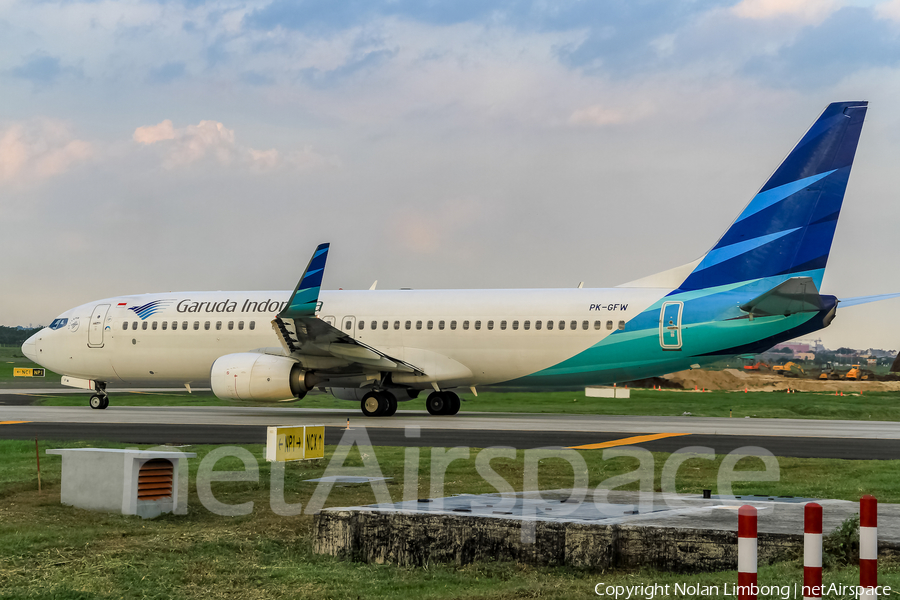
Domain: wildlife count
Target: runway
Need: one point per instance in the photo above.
(224, 425)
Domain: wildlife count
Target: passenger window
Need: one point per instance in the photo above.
(396, 324)
(562, 325)
(573, 325)
(348, 325)
(452, 324)
(526, 325)
(184, 325)
(430, 325)
(515, 325)
(374, 325)
(174, 325)
(218, 325)
(230, 325)
(252, 324)
(609, 325)
(164, 325)
(196, 325)
(441, 325)
(206, 326)
(502, 324)
(598, 325)
(240, 325)
(418, 324)
(125, 326)
(477, 325)
(490, 325)
(408, 325)
(384, 324)
(584, 325)
(362, 325)
(537, 324)
(621, 325)
(134, 325)
(153, 327)
(465, 324)
(144, 326)
(549, 325)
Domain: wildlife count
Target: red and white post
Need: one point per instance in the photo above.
(868, 546)
(747, 583)
(812, 551)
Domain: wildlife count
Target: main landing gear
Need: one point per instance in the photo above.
(379, 404)
(442, 403)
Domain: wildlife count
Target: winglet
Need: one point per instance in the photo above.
(306, 294)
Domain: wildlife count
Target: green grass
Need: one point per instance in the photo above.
(880, 406)
(51, 551)
(11, 358)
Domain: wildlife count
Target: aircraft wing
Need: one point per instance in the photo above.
(796, 295)
(302, 333)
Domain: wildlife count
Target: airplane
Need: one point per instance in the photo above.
(758, 286)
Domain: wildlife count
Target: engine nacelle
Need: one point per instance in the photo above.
(254, 376)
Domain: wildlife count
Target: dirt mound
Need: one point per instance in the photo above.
(735, 379)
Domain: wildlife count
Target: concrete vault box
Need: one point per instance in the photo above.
(131, 482)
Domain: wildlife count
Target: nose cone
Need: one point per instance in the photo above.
(29, 348)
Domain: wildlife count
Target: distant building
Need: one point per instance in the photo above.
(804, 355)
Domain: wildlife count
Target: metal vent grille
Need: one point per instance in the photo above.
(155, 479)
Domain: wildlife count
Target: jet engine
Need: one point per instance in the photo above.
(254, 376)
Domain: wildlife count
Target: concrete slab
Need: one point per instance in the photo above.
(583, 528)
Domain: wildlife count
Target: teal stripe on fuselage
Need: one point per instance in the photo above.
(711, 321)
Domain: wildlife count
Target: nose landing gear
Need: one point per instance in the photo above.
(100, 399)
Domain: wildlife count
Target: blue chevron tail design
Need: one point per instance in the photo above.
(306, 294)
(788, 226)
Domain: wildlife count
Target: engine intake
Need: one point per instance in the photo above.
(254, 376)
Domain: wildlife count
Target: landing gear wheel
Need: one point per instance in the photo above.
(375, 404)
(392, 404)
(436, 403)
(99, 402)
(453, 403)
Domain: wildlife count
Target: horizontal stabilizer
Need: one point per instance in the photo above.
(866, 299)
(796, 295)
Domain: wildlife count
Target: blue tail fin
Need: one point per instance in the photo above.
(788, 226)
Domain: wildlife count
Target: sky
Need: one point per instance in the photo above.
(152, 146)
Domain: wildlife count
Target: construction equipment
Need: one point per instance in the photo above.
(828, 372)
(857, 374)
(755, 367)
(789, 369)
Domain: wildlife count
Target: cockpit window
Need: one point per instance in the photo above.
(58, 323)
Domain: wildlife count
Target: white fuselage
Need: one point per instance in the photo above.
(458, 337)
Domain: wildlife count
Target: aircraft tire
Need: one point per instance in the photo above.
(105, 402)
(374, 404)
(453, 404)
(436, 403)
(96, 401)
(392, 404)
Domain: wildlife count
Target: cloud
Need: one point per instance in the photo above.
(600, 115)
(889, 10)
(809, 11)
(212, 140)
(38, 149)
